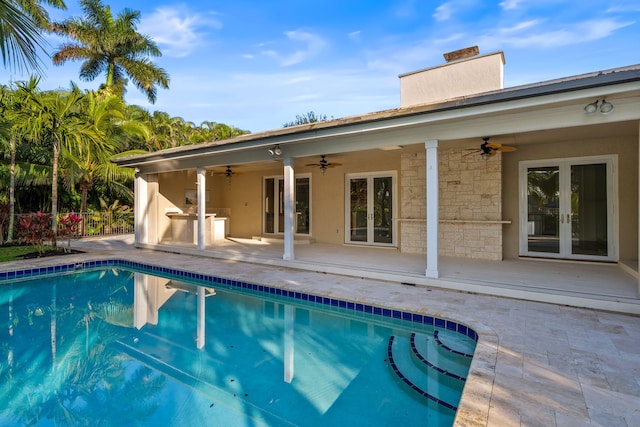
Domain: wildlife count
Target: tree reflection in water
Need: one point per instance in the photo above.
(88, 376)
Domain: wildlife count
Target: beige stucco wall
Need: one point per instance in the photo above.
(460, 78)
(243, 195)
(328, 190)
(556, 147)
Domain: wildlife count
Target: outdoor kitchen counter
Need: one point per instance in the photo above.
(184, 227)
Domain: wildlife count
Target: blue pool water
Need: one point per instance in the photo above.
(122, 347)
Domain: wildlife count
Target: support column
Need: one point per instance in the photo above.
(432, 208)
(638, 255)
(289, 208)
(140, 200)
(201, 186)
(289, 322)
(200, 315)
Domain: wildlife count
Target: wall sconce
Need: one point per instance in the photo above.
(604, 107)
(275, 150)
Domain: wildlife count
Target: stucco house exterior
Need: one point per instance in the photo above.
(556, 178)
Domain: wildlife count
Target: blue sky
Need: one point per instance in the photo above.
(257, 64)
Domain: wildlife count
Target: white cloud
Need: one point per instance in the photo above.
(313, 45)
(447, 10)
(176, 30)
(631, 6)
(510, 4)
(520, 26)
(531, 34)
(443, 12)
(355, 35)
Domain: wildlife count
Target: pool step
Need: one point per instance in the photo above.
(429, 355)
(434, 385)
(442, 339)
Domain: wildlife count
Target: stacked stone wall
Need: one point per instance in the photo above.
(470, 205)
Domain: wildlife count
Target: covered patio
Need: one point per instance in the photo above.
(604, 286)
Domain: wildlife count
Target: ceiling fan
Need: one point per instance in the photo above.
(228, 173)
(489, 149)
(323, 164)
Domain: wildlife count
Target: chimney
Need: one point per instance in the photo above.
(465, 73)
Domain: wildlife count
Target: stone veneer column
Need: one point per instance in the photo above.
(413, 196)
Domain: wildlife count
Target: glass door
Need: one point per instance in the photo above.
(370, 209)
(543, 209)
(273, 215)
(568, 209)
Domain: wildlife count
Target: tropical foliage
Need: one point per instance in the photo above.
(20, 24)
(57, 146)
(306, 118)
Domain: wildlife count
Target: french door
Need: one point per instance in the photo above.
(567, 208)
(370, 209)
(273, 215)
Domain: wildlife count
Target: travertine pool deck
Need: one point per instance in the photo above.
(536, 364)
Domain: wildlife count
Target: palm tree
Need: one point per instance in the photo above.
(111, 46)
(20, 24)
(11, 138)
(7, 105)
(55, 119)
(93, 163)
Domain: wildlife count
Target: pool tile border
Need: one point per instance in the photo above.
(302, 296)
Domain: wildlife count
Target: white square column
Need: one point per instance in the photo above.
(201, 186)
(432, 208)
(289, 208)
(140, 202)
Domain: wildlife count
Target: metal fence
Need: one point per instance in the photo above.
(96, 224)
(104, 224)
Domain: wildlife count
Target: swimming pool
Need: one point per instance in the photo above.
(119, 343)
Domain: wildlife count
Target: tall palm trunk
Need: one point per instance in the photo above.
(84, 193)
(54, 193)
(12, 190)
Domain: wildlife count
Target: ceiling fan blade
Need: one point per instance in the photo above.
(472, 151)
(494, 145)
(506, 149)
